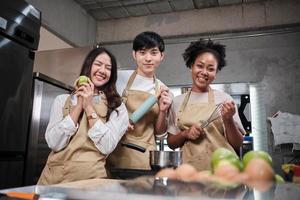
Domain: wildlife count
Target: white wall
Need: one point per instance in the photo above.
(49, 41)
(67, 20)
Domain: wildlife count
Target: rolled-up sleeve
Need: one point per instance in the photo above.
(107, 135)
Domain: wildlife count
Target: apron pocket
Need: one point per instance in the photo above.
(128, 158)
(54, 172)
(81, 170)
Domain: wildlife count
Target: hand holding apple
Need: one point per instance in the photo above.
(82, 80)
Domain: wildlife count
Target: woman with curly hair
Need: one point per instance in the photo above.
(204, 58)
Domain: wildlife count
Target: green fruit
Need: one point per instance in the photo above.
(82, 79)
(256, 154)
(234, 161)
(226, 185)
(222, 154)
(279, 179)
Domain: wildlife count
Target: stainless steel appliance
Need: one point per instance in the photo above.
(164, 159)
(19, 37)
(45, 89)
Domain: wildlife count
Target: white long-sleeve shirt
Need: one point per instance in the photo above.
(104, 135)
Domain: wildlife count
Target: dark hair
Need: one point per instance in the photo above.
(147, 40)
(201, 46)
(113, 98)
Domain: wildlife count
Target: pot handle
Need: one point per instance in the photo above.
(133, 146)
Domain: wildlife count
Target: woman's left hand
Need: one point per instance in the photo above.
(86, 90)
(228, 110)
(165, 99)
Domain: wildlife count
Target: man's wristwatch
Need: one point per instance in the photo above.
(92, 116)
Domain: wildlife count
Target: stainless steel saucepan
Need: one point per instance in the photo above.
(164, 159)
(158, 159)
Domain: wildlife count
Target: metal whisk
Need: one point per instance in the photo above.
(215, 115)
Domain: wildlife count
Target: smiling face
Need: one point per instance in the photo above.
(147, 61)
(101, 70)
(204, 71)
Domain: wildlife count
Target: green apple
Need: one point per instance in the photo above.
(223, 154)
(256, 154)
(235, 162)
(82, 79)
(279, 179)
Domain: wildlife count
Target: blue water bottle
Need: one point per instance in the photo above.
(143, 109)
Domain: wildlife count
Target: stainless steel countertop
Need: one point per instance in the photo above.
(155, 189)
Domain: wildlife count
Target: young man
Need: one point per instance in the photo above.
(148, 52)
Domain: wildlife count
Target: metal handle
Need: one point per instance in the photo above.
(214, 115)
(161, 144)
(134, 146)
(206, 123)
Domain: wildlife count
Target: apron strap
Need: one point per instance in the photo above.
(183, 105)
(211, 100)
(157, 90)
(211, 96)
(185, 101)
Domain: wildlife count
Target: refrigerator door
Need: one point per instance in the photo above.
(15, 108)
(45, 91)
(19, 36)
(15, 86)
(11, 173)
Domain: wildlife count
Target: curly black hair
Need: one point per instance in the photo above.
(201, 46)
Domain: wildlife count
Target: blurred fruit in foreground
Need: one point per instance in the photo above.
(185, 172)
(256, 154)
(259, 170)
(222, 154)
(226, 169)
(225, 163)
(279, 179)
(260, 174)
(167, 172)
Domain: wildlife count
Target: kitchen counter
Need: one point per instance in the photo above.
(91, 183)
(149, 188)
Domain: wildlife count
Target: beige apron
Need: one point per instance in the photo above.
(80, 159)
(198, 152)
(142, 135)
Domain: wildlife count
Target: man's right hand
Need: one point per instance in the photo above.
(193, 132)
(130, 126)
